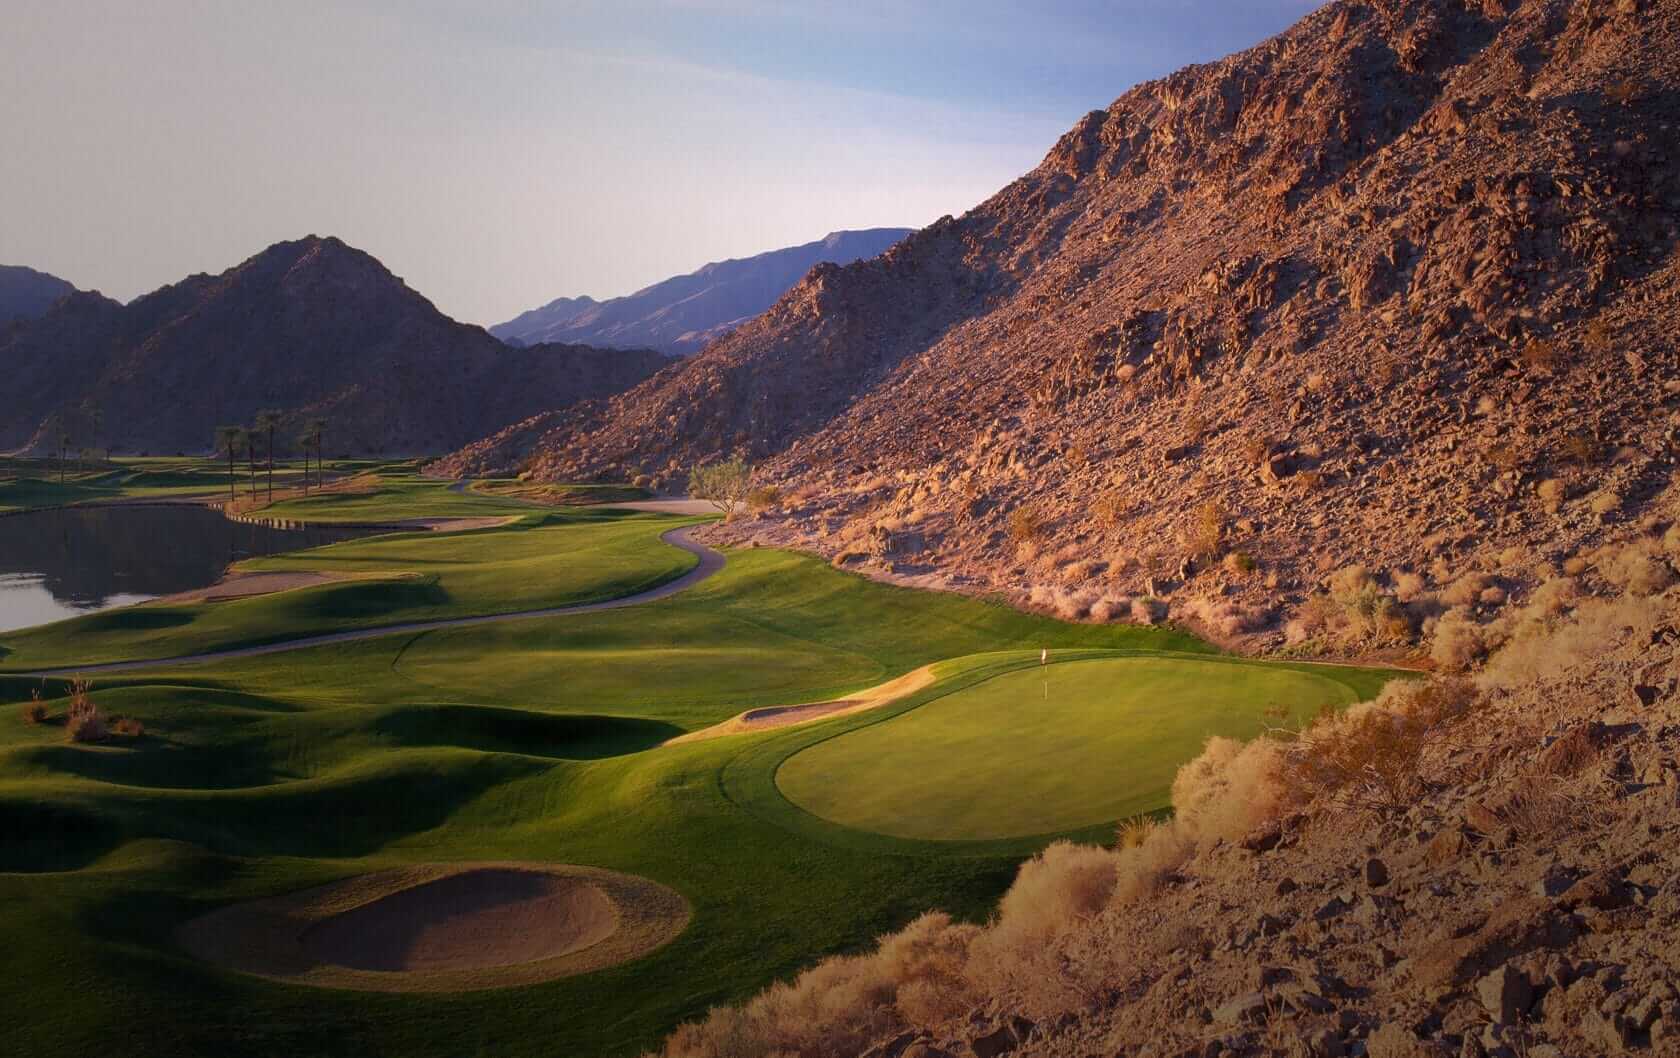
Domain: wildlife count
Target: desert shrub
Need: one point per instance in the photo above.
(1579, 448)
(35, 710)
(1541, 355)
(763, 498)
(1598, 337)
(1147, 611)
(1240, 564)
(83, 722)
(1545, 648)
(1465, 590)
(1110, 508)
(1637, 568)
(1457, 642)
(1024, 524)
(1407, 586)
(1605, 502)
(1255, 449)
(642, 481)
(1575, 565)
(1492, 596)
(1026, 551)
(1308, 480)
(1368, 757)
(1209, 530)
(1111, 608)
(724, 484)
(1551, 493)
(1505, 456)
(128, 727)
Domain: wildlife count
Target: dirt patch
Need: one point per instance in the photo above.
(443, 927)
(774, 716)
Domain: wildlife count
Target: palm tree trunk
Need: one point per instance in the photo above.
(271, 463)
(230, 472)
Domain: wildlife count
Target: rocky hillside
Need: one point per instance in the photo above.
(26, 294)
(682, 314)
(1391, 288)
(313, 328)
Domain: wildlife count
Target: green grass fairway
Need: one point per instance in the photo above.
(1047, 749)
(533, 739)
(546, 559)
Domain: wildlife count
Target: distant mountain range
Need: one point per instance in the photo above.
(684, 313)
(26, 294)
(312, 328)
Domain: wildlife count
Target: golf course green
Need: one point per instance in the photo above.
(545, 741)
(1047, 748)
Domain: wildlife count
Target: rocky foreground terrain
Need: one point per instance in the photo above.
(1392, 289)
(313, 329)
(1475, 866)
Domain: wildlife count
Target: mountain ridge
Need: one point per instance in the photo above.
(684, 313)
(26, 293)
(313, 327)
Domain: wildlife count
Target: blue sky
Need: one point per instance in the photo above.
(501, 153)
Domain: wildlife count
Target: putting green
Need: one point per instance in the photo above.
(1044, 750)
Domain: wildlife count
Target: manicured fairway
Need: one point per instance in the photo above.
(1046, 749)
(536, 740)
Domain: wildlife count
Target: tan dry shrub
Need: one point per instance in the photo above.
(1671, 539)
(1605, 502)
(1575, 565)
(1240, 564)
(83, 721)
(1467, 589)
(1111, 608)
(1596, 627)
(1026, 551)
(1581, 449)
(1492, 596)
(1025, 524)
(1368, 757)
(1081, 570)
(1457, 642)
(1209, 531)
(128, 727)
(1407, 586)
(1111, 508)
(1229, 790)
(35, 710)
(1147, 611)
(1551, 493)
(1638, 568)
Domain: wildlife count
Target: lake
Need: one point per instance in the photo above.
(64, 563)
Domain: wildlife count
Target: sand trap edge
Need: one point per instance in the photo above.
(261, 937)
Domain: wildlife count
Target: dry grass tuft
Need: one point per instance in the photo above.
(83, 722)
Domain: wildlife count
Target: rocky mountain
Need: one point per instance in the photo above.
(684, 313)
(1391, 288)
(314, 328)
(26, 293)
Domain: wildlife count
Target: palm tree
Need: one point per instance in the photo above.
(64, 439)
(303, 442)
(267, 420)
(227, 440)
(316, 428)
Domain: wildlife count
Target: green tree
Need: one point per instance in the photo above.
(228, 439)
(724, 484)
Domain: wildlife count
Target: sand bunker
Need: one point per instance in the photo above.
(444, 927)
(773, 716)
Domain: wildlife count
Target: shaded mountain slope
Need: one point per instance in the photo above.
(312, 328)
(26, 294)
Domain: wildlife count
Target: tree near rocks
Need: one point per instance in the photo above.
(724, 484)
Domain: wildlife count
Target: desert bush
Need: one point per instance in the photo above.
(1407, 586)
(1111, 608)
(1549, 647)
(83, 722)
(1579, 448)
(1505, 456)
(724, 484)
(763, 498)
(35, 710)
(1457, 643)
(1240, 564)
(1026, 551)
(1575, 565)
(1368, 757)
(642, 481)
(1255, 449)
(1551, 493)
(1147, 611)
(1466, 590)
(1492, 596)
(1209, 531)
(1110, 508)
(1598, 337)
(1541, 355)
(1638, 568)
(1308, 480)
(128, 727)
(1025, 524)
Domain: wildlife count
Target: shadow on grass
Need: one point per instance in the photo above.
(498, 730)
(135, 619)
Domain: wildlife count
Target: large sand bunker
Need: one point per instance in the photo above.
(444, 927)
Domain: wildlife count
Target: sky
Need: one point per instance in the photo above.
(498, 154)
